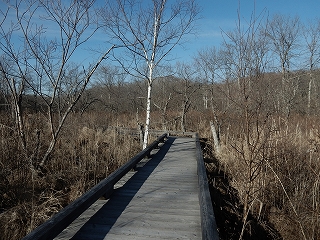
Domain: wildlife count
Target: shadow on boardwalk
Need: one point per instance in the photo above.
(103, 220)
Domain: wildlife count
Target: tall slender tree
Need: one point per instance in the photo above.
(148, 30)
(283, 33)
(311, 34)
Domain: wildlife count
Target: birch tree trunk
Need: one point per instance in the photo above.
(17, 104)
(146, 130)
(215, 136)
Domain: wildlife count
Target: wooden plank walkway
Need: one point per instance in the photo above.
(159, 201)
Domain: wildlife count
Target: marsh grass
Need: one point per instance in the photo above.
(284, 188)
(86, 152)
(279, 177)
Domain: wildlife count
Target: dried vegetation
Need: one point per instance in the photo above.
(278, 180)
(85, 154)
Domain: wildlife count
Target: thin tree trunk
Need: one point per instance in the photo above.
(183, 118)
(151, 66)
(215, 136)
(140, 128)
(17, 106)
(146, 130)
(164, 114)
(309, 91)
(55, 132)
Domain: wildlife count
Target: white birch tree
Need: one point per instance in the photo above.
(148, 30)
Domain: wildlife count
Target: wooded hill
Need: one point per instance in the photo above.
(173, 93)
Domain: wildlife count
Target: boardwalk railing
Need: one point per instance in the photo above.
(208, 222)
(66, 216)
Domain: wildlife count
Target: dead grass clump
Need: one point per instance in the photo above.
(296, 176)
(21, 219)
(12, 220)
(227, 205)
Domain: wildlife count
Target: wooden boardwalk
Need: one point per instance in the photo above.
(159, 201)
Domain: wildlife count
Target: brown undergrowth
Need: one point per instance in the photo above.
(87, 152)
(227, 204)
(280, 185)
(282, 189)
(89, 148)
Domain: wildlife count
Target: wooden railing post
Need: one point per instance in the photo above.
(108, 192)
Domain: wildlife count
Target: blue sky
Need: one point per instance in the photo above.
(220, 15)
(217, 15)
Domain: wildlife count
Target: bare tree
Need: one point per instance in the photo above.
(312, 38)
(43, 59)
(283, 33)
(112, 88)
(186, 88)
(246, 57)
(148, 31)
(208, 62)
(163, 97)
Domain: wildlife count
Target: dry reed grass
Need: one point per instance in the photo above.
(86, 152)
(284, 190)
(286, 163)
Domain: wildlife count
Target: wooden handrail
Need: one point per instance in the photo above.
(51, 228)
(208, 222)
